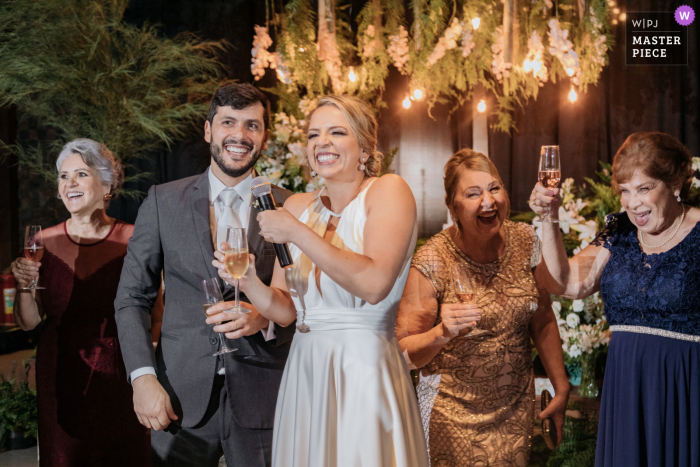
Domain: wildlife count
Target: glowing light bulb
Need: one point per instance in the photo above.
(406, 103)
(623, 16)
(616, 11)
(570, 71)
(536, 66)
(301, 49)
(614, 21)
(476, 22)
(527, 66)
(418, 94)
(482, 106)
(351, 75)
(572, 95)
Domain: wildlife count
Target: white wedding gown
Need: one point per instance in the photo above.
(346, 398)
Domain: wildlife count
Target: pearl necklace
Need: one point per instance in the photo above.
(639, 234)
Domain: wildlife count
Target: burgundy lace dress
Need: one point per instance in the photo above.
(86, 414)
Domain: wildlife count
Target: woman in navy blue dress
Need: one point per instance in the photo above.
(646, 265)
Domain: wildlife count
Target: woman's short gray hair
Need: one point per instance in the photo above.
(98, 158)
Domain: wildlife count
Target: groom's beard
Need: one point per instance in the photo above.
(234, 172)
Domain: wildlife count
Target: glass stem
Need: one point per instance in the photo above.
(238, 303)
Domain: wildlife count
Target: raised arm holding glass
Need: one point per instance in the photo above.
(346, 398)
(83, 397)
(476, 388)
(645, 265)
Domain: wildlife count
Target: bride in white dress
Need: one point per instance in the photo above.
(346, 398)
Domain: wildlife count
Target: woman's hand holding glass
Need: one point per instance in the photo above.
(545, 200)
(459, 319)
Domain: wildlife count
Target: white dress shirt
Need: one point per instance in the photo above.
(216, 186)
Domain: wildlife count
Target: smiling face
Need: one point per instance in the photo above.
(650, 204)
(332, 148)
(480, 204)
(236, 139)
(81, 189)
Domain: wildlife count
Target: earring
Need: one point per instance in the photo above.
(678, 198)
(58, 195)
(362, 165)
(313, 173)
(107, 197)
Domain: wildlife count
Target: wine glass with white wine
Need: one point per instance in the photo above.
(465, 290)
(550, 173)
(236, 261)
(33, 250)
(212, 296)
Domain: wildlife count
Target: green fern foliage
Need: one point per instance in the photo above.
(75, 67)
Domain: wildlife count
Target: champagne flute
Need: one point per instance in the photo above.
(212, 296)
(236, 260)
(550, 173)
(33, 250)
(465, 290)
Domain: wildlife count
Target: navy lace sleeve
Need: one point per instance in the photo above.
(657, 290)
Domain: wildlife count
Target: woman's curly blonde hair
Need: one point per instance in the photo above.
(363, 125)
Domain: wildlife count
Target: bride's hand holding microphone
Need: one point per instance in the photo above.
(278, 226)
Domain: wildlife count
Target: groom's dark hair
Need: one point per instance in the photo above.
(239, 96)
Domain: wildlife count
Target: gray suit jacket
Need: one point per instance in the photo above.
(172, 234)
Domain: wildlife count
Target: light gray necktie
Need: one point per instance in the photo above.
(229, 215)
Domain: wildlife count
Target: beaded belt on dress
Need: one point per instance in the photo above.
(340, 319)
(655, 332)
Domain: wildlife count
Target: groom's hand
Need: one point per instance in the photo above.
(152, 403)
(239, 324)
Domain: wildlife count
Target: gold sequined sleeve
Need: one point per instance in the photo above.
(536, 256)
(431, 264)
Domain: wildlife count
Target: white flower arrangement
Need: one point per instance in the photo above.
(467, 41)
(533, 60)
(369, 41)
(584, 330)
(448, 41)
(398, 49)
(561, 47)
(261, 58)
(570, 217)
(499, 67)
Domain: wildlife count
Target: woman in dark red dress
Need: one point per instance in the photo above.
(86, 416)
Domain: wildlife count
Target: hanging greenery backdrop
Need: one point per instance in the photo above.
(510, 47)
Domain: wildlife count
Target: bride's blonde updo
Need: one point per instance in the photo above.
(363, 125)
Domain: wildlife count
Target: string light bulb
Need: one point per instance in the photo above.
(572, 95)
(482, 106)
(406, 103)
(476, 22)
(616, 11)
(351, 75)
(623, 16)
(570, 71)
(418, 94)
(527, 66)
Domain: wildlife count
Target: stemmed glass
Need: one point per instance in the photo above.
(465, 289)
(235, 251)
(33, 250)
(550, 173)
(212, 296)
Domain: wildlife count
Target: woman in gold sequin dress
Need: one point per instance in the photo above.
(476, 389)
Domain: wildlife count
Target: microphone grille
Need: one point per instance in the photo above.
(260, 186)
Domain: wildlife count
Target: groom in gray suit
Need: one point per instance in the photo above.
(197, 405)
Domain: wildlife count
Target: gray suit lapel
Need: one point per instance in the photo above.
(199, 202)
